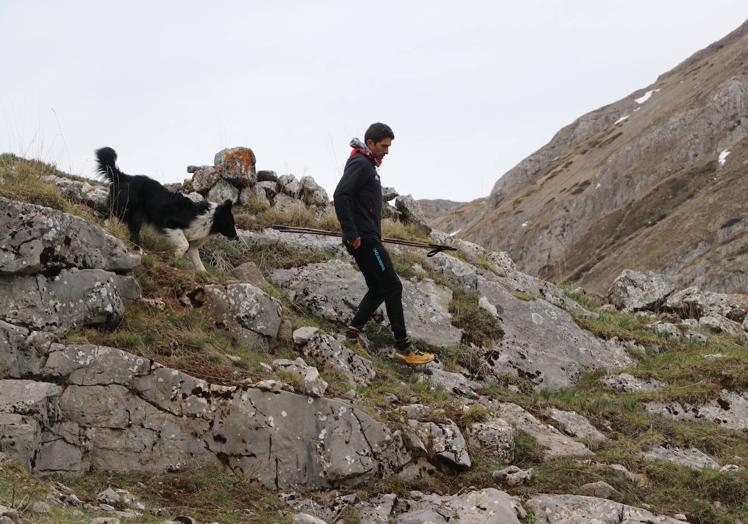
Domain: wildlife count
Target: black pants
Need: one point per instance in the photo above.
(384, 286)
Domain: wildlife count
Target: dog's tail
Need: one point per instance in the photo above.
(107, 159)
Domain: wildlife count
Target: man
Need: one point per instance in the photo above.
(358, 205)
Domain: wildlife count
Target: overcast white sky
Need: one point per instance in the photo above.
(470, 88)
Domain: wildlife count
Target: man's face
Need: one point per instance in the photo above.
(379, 149)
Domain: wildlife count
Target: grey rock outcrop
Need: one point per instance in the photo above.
(567, 509)
(631, 384)
(444, 441)
(575, 425)
(695, 303)
(486, 506)
(115, 411)
(36, 239)
(334, 356)
(636, 290)
(543, 342)
(237, 166)
(729, 410)
(94, 195)
(495, 435)
(410, 212)
(73, 298)
(556, 444)
(249, 314)
(691, 458)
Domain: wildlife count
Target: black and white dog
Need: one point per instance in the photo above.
(138, 200)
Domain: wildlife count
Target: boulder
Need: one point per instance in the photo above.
(631, 384)
(289, 185)
(73, 298)
(204, 178)
(556, 444)
(410, 212)
(575, 424)
(36, 239)
(249, 314)
(721, 325)
(455, 383)
(444, 441)
(567, 509)
(334, 356)
(485, 506)
(694, 303)
(692, 458)
(249, 273)
(312, 193)
(512, 476)
(237, 166)
(729, 410)
(495, 435)
(222, 191)
(543, 342)
(667, 329)
(95, 196)
(635, 290)
(314, 386)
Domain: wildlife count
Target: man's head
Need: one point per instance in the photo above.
(378, 139)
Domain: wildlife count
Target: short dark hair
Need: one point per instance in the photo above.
(378, 132)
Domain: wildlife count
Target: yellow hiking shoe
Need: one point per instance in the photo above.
(415, 358)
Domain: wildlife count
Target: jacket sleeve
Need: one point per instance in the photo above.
(344, 198)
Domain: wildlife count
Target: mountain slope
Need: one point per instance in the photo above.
(635, 184)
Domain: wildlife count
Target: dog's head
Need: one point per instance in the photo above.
(223, 221)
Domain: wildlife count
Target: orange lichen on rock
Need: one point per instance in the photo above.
(244, 159)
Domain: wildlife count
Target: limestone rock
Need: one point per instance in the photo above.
(115, 411)
(95, 196)
(544, 342)
(204, 178)
(666, 328)
(312, 193)
(222, 191)
(599, 489)
(237, 166)
(302, 335)
(267, 176)
(495, 436)
(443, 440)
(694, 303)
(631, 384)
(248, 313)
(72, 298)
(410, 212)
(721, 325)
(563, 509)
(556, 443)
(249, 273)
(336, 357)
(692, 458)
(635, 290)
(512, 476)
(37, 239)
(575, 424)
(313, 384)
(486, 506)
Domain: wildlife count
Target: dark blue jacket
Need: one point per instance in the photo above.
(358, 199)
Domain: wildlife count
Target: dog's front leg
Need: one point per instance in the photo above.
(193, 255)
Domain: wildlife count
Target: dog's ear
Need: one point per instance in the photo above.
(228, 203)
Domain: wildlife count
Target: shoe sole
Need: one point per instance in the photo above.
(421, 360)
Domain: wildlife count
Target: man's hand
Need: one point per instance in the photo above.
(355, 243)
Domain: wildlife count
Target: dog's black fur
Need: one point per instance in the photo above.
(138, 200)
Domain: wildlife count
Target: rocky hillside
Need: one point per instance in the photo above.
(134, 389)
(434, 208)
(654, 181)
